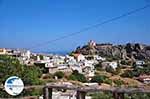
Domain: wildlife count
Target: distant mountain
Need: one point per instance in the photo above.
(54, 52)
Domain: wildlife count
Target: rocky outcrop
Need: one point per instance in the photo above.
(127, 51)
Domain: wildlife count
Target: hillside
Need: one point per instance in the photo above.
(128, 51)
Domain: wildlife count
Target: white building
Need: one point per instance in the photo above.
(2, 51)
(144, 78)
(49, 65)
(114, 65)
(38, 58)
(76, 67)
(79, 57)
(46, 58)
(97, 57)
(140, 63)
(62, 66)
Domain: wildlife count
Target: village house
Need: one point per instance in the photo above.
(9, 52)
(144, 78)
(76, 67)
(79, 57)
(88, 71)
(99, 58)
(139, 63)
(70, 60)
(114, 65)
(60, 67)
(25, 54)
(58, 59)
(2, 51)
(95, 85)
(88, 68)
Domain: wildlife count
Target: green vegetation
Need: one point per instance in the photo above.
(59, 74)
(136, 72)
(124, 62)
(10, 66)
(118, 82)
(98, 67)
(112, 58)
(139, 96)
(101, 79)
(41, 57)
(77, 76)
(113, 71)
(102, 95)
(108, 81)
(27, 92)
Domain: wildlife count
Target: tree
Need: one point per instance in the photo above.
(59, 74)
(108, 81)
(109, 69)
(41, 57)
(98, 66)
(118, 82)
(127, 73)
(99, 79)
(77, 76)
(31, 75)
(10, 66)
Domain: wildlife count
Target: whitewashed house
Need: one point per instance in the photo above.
(2, 51)
(114, 65)
(79, 57)
(144, 78)
(46, 58)
(26, 54)
(58, 60)
(76, 67)
(140, 63)
(99, 58)
(49, 65)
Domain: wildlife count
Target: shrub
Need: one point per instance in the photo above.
(59, 74)
(77, 76)
(118, 82)
(99, 79)
(109, 69)
(108, 81)
(102, 95)
(131, 74)
(98, 67)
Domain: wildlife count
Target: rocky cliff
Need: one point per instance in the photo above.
(127, 51)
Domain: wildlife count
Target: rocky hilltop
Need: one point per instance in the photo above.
(128, 51)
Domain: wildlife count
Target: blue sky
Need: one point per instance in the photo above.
(25, 23)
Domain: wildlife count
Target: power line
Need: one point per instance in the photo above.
(92, 26)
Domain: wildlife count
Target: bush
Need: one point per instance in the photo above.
(133, 73)
(118, 82)
(77, 76)
(124, 62)
(99, 79)
(108, 81)
(10, 66)
(102, 95)
(98, 67)
(109, 69)
(59, 74)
